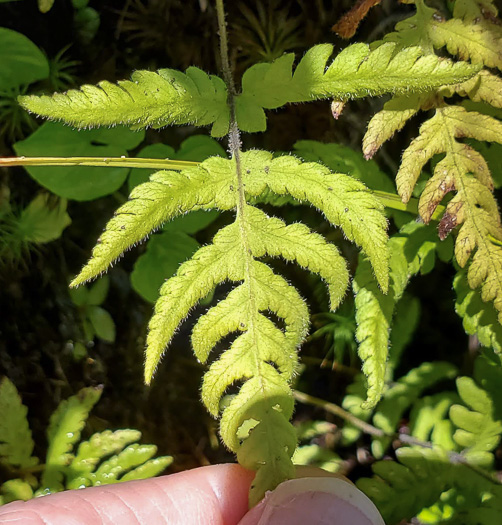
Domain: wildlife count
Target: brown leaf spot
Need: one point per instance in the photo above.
(347, 25)
(446, 225)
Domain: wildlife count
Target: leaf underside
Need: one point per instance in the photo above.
(262, 357)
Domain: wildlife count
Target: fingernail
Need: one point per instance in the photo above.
(314, 501)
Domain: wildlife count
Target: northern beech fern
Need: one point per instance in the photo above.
(262, 358)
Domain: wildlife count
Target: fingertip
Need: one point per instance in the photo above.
(316, 501)
(214, 495)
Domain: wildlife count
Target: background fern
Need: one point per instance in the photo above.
(107, 457)
(462, 169)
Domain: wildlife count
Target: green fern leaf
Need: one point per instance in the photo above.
(15, 490)
(124, 466)
(478, 427)
(411, 251)
(426, 470)
(473, 207)
(150, 99)
(270, 236)
(63, 432)
(356, 72)
(167, 195)
(255, 424)
(374, 312)
(478, 318)
(195, 278)
(227, 316)
(91, 452)
(429, 419)
(345, 202)
(442, 491)
(403, 394)
(149, 469)
(16, 444)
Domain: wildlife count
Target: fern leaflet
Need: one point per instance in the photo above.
(411, 251)
(16, 444)
(480, 422)
(149, 99)
(472, 500)
(63, 432)
(478, 318)
(355, 72)
(472, 35)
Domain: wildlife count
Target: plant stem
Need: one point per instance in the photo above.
(122, 162)
(393, 201)
(225, 63)
(340, 412)
(454, 457)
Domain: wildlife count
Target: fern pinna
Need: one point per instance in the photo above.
(473, 33)
(262, 357)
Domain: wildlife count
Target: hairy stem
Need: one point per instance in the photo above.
(234, 146)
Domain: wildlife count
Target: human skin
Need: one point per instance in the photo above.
(213, 495)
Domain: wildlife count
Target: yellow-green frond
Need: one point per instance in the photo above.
(269, 235)
(343, 200)
(356, 72)
(150, 99)
(195, 278)
(166, 195)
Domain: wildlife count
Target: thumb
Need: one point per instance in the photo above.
(316, 501)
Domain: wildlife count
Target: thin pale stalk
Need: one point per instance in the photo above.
(454, 457)
(121, 162)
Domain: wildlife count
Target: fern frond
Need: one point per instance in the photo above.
(15, 489)
(345, 202)
(226, 317)
(167, 195)
(479, 427)
(426, 470)
(468, 497)
(412, 251)
(195, 278)
(429, 419)
(374, 312)
(469, 41)
(263, 357)
(63, 432)
(473, 207)
(16, 444)
(270, 236)
(478, 318)
(91, 452)
(124, 466)
(149, 99)
(403, 394)
(356, 72)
